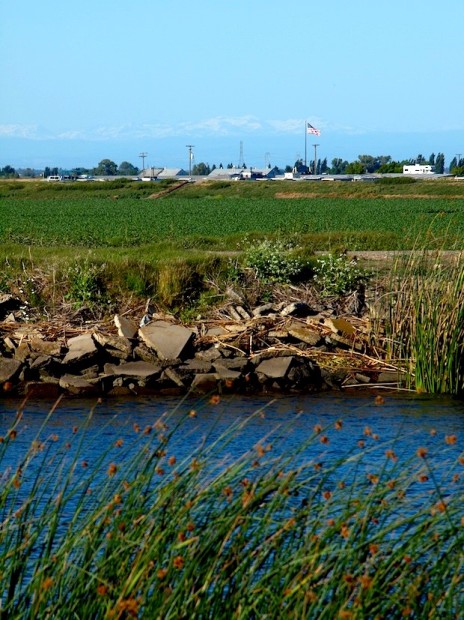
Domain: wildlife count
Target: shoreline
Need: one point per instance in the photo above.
(282, 348)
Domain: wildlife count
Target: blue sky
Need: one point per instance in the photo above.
(80, 82)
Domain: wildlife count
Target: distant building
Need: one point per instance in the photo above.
(419, 169)
(150, 173)
(171, 173)
(225, 173)
(243, 173)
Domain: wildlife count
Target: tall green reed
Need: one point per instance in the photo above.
(426, 319)
(147, 531)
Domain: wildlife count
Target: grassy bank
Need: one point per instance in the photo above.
(216, 215)
(99, 248)
(141, 531)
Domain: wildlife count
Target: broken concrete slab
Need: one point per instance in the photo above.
(80, 348)
(116, 346)
(306, 335)
(77, 385)
(226, 374)
(135, 370)
(46, 347)
(204, 383)
(9, 369)
(210, 354)
(172, 375)
(275, 367)
(126, 328)
(170, 341)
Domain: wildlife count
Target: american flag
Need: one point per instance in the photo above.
(313, 130)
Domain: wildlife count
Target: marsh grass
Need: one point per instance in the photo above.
(146, 530)
(426, 319)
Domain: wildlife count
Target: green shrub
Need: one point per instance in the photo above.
(85, 285)
(336, 275)
(273, 260)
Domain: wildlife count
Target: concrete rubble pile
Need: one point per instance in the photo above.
(282, 348)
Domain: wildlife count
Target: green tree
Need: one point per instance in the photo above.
(8, 171)
(127, 169)
(201, 169)
(440, 163)
(392, 166)
(355, 167)
(338, 166)
(76, 172)
(106, 168)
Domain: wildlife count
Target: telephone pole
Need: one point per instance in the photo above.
(315, 158)
(143, 155)
(190, 147)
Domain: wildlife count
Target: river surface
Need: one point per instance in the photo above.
(405, 422)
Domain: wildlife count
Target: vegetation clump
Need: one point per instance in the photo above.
(149, 529)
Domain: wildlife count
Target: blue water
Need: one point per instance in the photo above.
(405, 423)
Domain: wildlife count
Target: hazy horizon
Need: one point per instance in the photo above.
(108, 81)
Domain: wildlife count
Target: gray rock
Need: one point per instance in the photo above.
(23, 352)
(196, 366)
(126, 328)
(393, 377)
(172, 375)
(116, 346)
(80, 348)
(216, 331)
(309, 336)
(135, 370)
(41, 361)
(275, 368)
(264, 310)
(77, 385)
(304, 375)
(9, 369)
(226, 374)
(9, 343)
(208, 355)
(169, 341)
(206, 382)
(46, 347)
(233, 363)
(145, 354)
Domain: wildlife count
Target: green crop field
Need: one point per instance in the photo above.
(122, 216)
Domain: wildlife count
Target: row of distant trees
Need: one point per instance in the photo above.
(365, 164)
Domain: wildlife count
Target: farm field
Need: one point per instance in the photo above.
(218, 215)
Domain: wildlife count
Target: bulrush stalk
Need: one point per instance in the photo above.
(426, 320)
(146, 530)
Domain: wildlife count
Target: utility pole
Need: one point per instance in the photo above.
(190, 147)
(315, 158)
(458, 158)
(143, 155)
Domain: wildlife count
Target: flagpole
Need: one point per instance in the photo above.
(306, 139)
